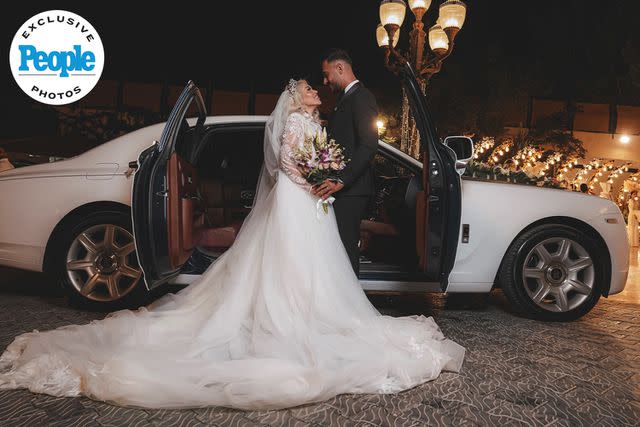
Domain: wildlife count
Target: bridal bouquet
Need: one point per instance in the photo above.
(319, 159)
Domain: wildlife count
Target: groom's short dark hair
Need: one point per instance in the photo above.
(336, 54)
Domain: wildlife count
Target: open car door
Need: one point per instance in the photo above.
(438, 206)
(165, 201)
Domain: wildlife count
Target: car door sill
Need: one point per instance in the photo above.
(399, 286)
(184, 279)
(367, 284)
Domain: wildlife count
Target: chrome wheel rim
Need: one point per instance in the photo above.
(558, 274)
(102, 264)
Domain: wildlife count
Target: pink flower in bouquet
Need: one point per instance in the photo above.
(319, 158)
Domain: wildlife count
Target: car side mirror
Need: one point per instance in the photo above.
(462, 146)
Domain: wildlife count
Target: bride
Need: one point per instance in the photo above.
(278, 320)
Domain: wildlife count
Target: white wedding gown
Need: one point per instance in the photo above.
(278, 320)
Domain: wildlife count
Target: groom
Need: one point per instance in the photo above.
(353, 125)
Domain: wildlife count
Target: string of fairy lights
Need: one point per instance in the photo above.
(602, 176)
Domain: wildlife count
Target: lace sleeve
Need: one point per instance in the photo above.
(293, 135)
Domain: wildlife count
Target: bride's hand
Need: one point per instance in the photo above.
(327, 188)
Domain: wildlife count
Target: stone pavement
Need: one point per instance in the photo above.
(516, 372)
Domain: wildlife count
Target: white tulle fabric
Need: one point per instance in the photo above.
(277, 321)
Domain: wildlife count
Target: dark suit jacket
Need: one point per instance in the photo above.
(353, 126)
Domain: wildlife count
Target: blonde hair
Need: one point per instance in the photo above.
(297, 106)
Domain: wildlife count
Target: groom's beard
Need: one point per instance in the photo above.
(335, 88)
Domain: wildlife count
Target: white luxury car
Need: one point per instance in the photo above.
(134, 213)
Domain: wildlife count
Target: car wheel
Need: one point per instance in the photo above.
(553, 272)
(96, 263)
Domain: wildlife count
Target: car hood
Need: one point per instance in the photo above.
(553, 201)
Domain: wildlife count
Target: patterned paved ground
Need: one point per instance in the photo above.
(517, 371)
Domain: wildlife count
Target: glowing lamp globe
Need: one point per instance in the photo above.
(392, 12)
(438, 40)
(452, 15)
(419, 6)
(383, 37)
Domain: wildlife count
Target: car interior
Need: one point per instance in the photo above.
(226, 174)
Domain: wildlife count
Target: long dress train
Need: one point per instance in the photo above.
(278, 320)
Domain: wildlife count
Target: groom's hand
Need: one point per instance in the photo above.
(327, 188)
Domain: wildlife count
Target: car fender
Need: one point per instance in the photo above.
(27, 223)
(498, 212)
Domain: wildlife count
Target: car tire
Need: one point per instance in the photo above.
(96, 272)
(553, 272)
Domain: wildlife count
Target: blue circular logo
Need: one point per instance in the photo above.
(56, 57)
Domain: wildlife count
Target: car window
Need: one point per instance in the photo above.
(234, 155)
(387, 167)
(228, 169)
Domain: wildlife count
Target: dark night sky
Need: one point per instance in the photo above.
(568, 47)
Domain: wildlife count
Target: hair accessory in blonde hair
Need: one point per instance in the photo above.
(291, 86)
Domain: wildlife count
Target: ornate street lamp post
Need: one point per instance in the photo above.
(425, 63)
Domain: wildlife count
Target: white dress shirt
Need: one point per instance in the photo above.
(346, 89)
